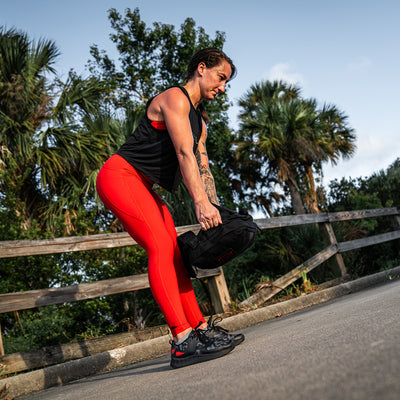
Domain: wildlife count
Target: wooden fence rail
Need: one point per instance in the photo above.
(17, 248)
(218, 289)
(35, 298)
(46, 297)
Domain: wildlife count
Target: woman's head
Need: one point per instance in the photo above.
(211, 57)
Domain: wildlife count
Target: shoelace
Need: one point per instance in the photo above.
(213, 327)
(202, 335)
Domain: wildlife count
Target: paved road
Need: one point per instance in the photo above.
(348, 348)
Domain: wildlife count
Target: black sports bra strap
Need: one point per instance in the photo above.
(180, 87)
(186, 94)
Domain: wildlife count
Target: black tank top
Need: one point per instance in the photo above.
(151, 151)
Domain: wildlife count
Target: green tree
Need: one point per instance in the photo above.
(386, 184)
(286, 139)
(52, 139)
(331, 140)
(272, 118)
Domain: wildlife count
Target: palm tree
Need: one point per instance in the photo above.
(266, 91)
(52, 136)
(256, 179)
(290, 137)
(271, 121)
(331, 140)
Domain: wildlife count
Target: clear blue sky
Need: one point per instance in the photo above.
(343, 52)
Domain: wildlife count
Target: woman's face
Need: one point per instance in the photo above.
(214, 79)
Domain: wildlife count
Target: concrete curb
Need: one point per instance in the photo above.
(253, 317)
(24, 384)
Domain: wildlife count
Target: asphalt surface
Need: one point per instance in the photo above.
(347, 348)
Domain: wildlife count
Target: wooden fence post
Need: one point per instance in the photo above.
(328, 236)
(396, 221)
(1, 344)
(396, 226)
(219, 293)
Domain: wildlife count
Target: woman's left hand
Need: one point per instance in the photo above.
(207, 215)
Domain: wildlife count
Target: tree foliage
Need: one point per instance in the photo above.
(284, 139)
(52, 139)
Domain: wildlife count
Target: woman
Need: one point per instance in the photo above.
(169, 144)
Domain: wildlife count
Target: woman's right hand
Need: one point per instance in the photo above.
(207, 215)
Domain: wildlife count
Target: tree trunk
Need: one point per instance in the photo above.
(297, 202)
(312, 200)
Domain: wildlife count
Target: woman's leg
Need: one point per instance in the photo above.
(129, 196)
(187, 295)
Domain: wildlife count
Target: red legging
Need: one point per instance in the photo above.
(129, 195)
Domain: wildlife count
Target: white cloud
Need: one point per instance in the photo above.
(373, 154)
(285, 72)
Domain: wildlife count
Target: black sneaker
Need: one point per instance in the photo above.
(218, 333)
(197, 348)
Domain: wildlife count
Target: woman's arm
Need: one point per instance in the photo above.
(175, 109)
(204, 168)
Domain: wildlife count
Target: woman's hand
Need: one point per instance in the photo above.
(207, 215)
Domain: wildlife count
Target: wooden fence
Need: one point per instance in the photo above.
(218, 289)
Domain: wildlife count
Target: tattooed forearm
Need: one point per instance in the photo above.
(206, 176)
(199, 157)
(209, 186)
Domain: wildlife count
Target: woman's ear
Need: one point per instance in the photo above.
(201, 68)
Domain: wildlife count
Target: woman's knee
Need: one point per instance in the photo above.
(162, 246)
